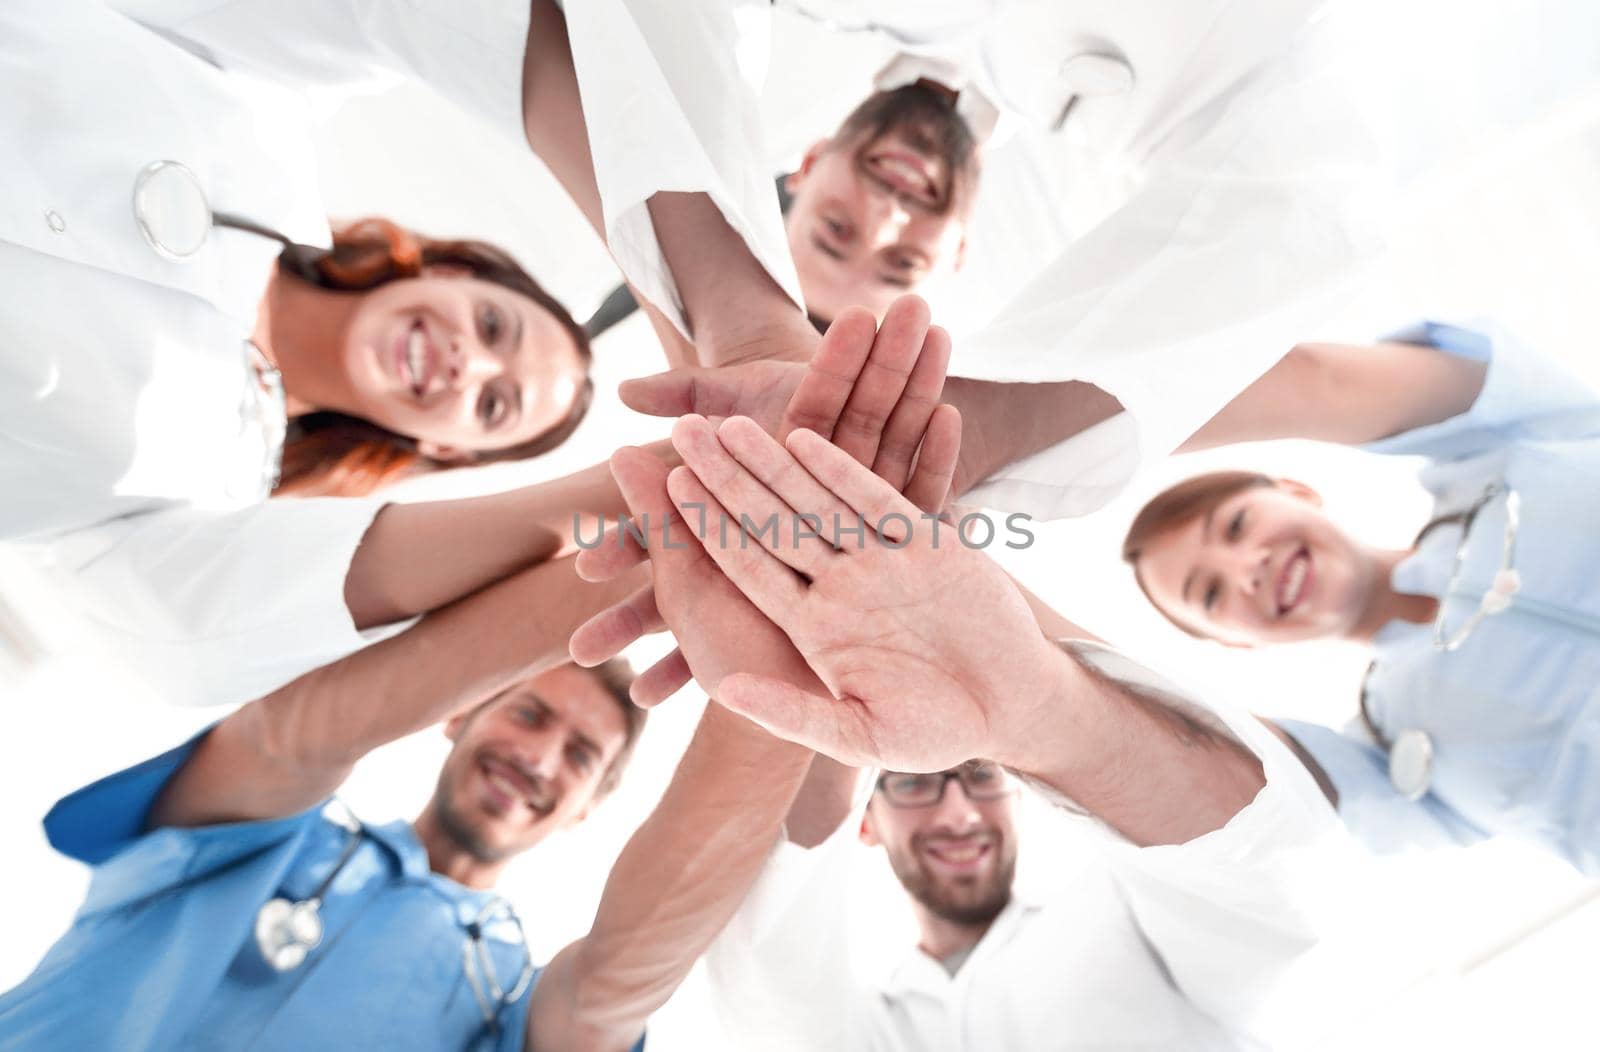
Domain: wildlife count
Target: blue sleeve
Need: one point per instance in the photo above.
(1369, 806)
(1525, 396)
(103, 825)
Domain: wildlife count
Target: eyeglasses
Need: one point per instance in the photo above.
(980, 780)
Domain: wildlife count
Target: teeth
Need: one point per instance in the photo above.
(1294, 581)
(969, 853)
(415, 355)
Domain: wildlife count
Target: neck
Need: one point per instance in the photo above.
(448, 858)
(299, 327)
(943, 938)
(1385, 604)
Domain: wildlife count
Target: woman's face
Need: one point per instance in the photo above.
(460, 364)
(1263, 566)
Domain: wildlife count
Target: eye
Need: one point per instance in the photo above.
(836, 228)
(1236, 525)
(493, 405)
(579, 757)
(982, 773)
(531, 715)
(902, 262)
(490, 323)
(1213, 593)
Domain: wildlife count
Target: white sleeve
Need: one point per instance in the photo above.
(216, 608)
(669, 108)
(780, 974)
(1231, 912)
(1247, 233)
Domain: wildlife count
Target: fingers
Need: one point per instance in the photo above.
(883, 378)
(617, 552)
(796, 539)
(660, 681)
(831, 375)
(929, 487)
(909, 419)
(871, 498)
(767, 582)
(772, 466)
(680, 391)
(832, 727)
(608, 633)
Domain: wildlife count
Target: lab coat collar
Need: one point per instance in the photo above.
(918, 973)
(401, 841)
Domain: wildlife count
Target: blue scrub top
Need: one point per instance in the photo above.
(1514, 712)
(162, 953)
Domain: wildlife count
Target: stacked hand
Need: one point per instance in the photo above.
(874, 391)
(885, 621)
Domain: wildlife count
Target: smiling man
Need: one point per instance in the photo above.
(882, 205)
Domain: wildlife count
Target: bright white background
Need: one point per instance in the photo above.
(1484, 948)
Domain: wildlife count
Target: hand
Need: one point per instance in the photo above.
(876, 391)
(932, 656)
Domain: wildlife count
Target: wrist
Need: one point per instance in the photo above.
(1051, 720)
(778, 333)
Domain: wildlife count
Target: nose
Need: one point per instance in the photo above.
(542, 756)
(472, 365)
(1248, 567)
(886, 217)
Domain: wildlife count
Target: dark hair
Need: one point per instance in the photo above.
(334, 454)
(1176, 506)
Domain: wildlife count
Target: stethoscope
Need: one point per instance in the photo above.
(287, 931)
(1411, 751)
(174, 216)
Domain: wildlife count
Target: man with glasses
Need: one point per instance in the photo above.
(1091, 948)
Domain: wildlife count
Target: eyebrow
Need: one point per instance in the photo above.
(1205, 537)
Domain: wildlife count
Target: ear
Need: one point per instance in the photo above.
(453, 726)
(961, 252)
(867, 833)
(807, 162)
(1301, 491)
(445, 454)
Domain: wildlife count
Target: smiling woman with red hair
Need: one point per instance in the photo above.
(1485, 631)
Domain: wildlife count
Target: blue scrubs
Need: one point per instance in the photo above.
(162, 954)
(1514, 712)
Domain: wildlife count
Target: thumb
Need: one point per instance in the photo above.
(836, 728)
(680, 392)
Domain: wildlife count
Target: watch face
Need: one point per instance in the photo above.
(1411, 763)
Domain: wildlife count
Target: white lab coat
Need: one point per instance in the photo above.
(1114, 947)
(122, 447)
(1232, 199)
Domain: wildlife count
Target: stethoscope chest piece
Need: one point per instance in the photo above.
(171, 210)
(1411, 763)
(287, 931)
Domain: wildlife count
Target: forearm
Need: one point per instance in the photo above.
(1002, 423)
(676, 884)
(418, 557)
(824, 800)
(552, 111)
(1346, 394)
(735, 310)
(283, 753)
(1153, 767)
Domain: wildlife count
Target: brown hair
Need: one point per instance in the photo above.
(334, 454)
(1179, 505)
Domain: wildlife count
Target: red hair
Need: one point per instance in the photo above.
(333, 454)
(1179, 505)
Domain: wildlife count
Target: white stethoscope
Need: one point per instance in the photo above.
(286, 932)
(174, 217)
(1411, 751)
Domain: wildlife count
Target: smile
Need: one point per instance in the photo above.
(509, 787)
(416, 360)
(1294, 581)
(906, 172)
(959, 855)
